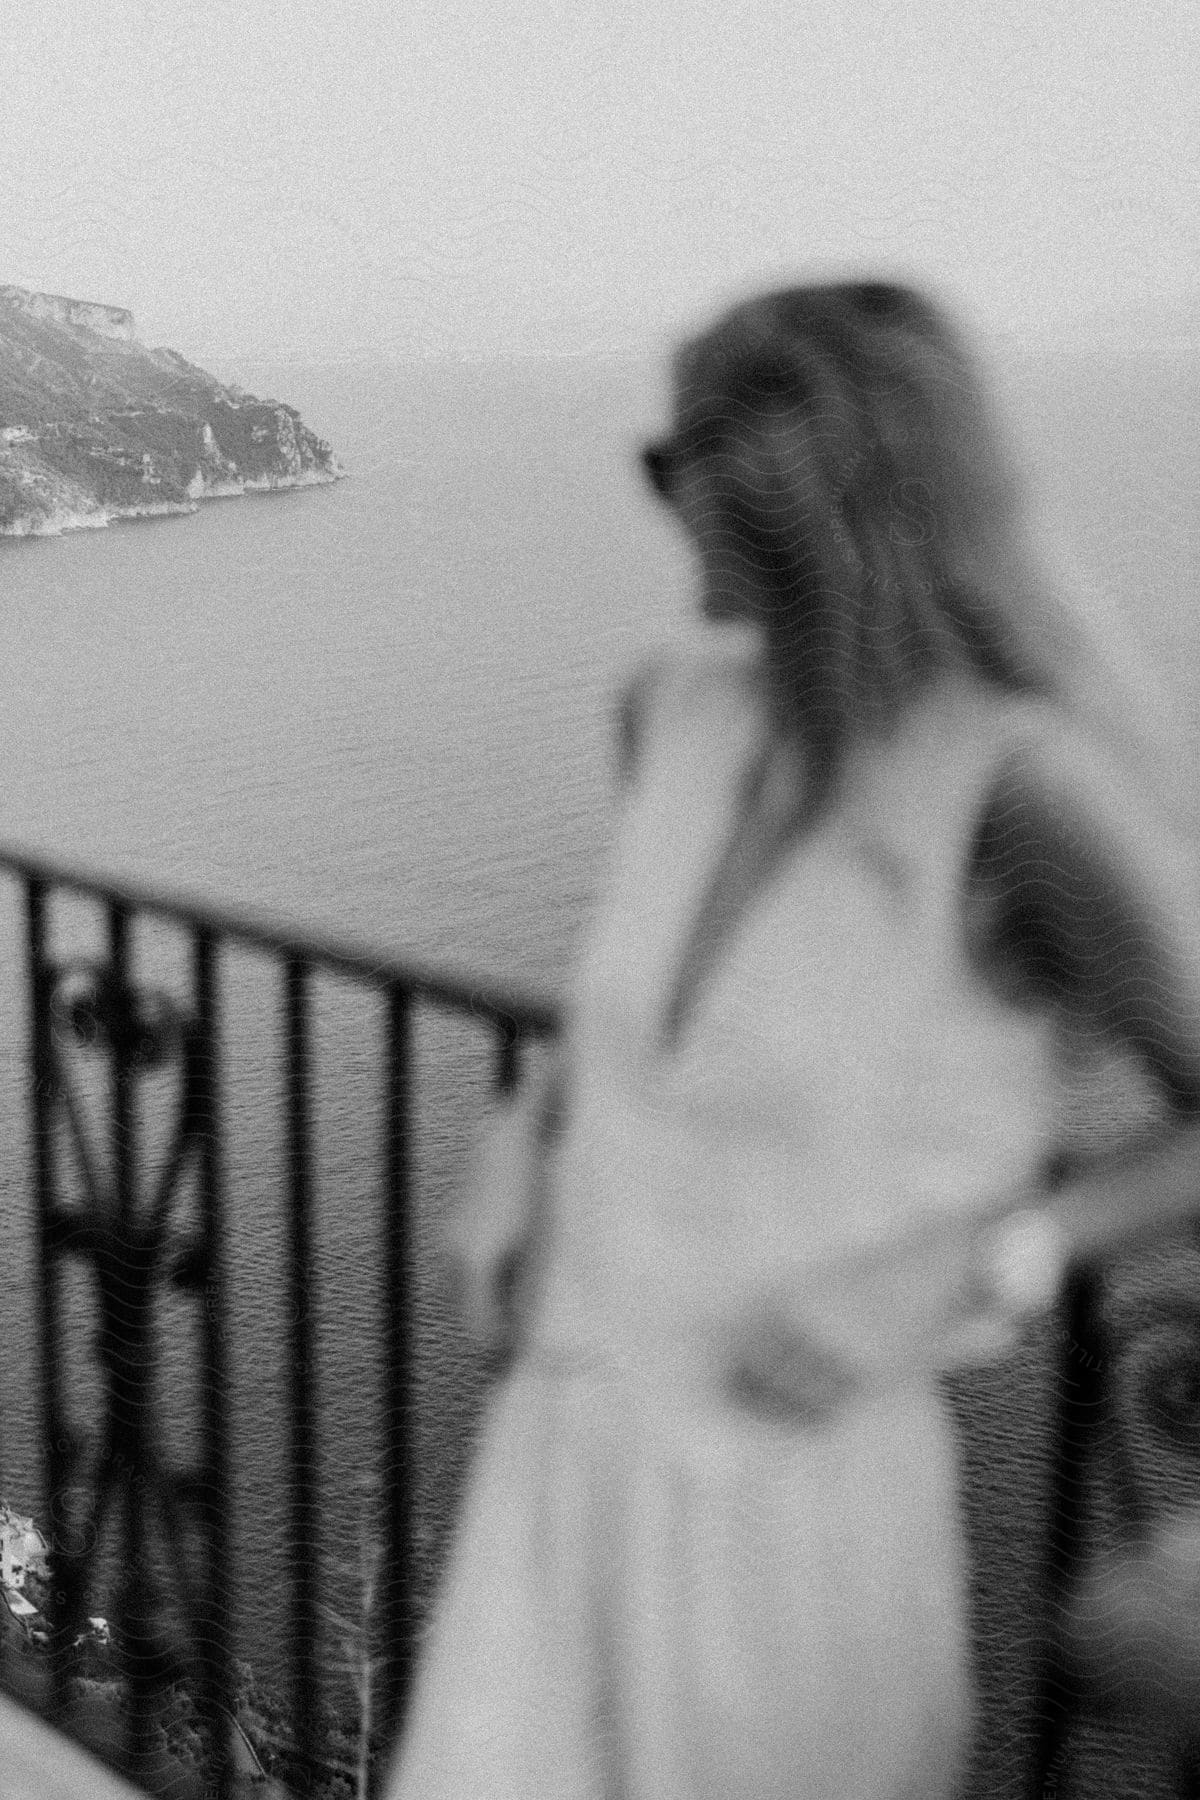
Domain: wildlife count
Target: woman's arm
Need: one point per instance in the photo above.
(1080, 900)
(491, 1238)
(499, 1222)
(952, 1288)
(1080, 896)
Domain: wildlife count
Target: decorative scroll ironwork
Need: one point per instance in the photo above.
(110, 1495)
(110, 1486)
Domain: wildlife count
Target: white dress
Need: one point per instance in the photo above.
(658, 1592)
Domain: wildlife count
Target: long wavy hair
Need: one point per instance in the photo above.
(833, 458)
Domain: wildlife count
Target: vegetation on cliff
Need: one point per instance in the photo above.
(267, 1757)
(94, 426)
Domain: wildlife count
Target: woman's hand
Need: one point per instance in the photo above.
(949, 1289)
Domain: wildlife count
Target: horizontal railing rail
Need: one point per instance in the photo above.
(533, 1013)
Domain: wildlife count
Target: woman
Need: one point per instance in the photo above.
(868, 889)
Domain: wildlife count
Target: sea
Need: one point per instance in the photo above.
(382, 710)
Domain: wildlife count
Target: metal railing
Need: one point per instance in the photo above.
(1087, 1421)
(124, 1517)
(172, 1526)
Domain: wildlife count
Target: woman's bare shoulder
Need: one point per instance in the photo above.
(1085, 891)
(1068, 781)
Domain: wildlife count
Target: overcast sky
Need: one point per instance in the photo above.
(336, 177)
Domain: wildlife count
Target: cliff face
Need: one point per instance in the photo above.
(108, 321)
(94, 426)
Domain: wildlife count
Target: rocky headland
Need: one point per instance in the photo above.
(95, 426)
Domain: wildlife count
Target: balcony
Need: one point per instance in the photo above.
(131, 1461)
(226, 1145)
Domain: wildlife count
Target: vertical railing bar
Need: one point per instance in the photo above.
(132, 1607)
(55, 1446)
(124, 1167)
(215, 1653)
(397, 1615)
(1188, 1772)
(303, 1447)
(1081, 1403)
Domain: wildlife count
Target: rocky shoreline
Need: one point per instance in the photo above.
(95, 427)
